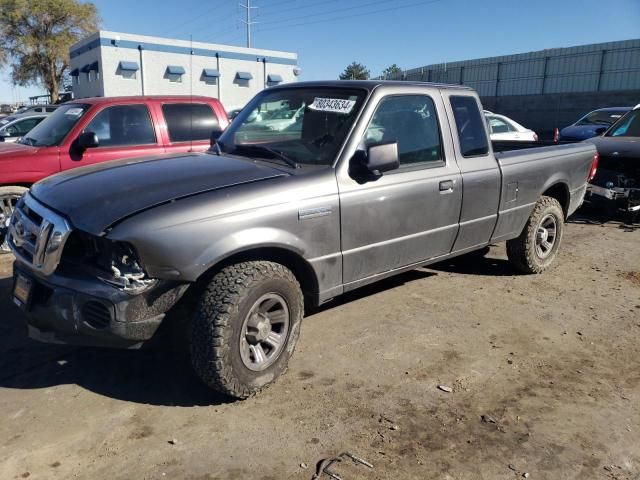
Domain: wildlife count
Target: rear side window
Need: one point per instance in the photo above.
(123, 125)
(189, 121)
(470, 125)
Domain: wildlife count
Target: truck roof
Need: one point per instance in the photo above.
(137, 98)
(371, 84)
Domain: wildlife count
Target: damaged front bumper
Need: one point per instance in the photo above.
(84, 310)
(625, 199)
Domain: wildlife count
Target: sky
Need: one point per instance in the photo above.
(327, 35)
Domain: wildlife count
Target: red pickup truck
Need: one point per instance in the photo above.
(92, 130)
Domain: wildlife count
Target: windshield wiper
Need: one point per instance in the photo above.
(272, 151)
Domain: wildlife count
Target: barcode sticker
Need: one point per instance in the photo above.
(334, 105)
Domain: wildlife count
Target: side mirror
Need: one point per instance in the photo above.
(215, 135)
(600, 130)
(4, 134)
(381, 157)
(87, 140)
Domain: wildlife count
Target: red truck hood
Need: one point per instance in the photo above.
(16, 150)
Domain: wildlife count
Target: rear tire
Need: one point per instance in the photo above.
(537, 246)
(9, 196)
(246, 327)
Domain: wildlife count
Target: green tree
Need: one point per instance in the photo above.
(355, 71)
(35, 36)
(392, 71)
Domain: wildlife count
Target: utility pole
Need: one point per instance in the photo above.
(248, 21)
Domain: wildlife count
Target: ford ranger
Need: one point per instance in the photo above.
(370, 180)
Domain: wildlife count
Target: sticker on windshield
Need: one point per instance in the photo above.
(334, 105)
(74, 112)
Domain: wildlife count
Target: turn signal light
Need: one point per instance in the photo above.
(594, 167)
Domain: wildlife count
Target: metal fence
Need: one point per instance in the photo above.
(612, 66)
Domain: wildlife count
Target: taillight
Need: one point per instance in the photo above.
(594, 167)
(556, 135)
(535, 137)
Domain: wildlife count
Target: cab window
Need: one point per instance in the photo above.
(412, 121)
(123, 125)
(472, 133)
(189, 121)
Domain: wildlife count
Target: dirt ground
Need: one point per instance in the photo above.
(544, 371)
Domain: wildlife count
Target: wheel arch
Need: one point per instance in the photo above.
(559, 191)
(293, 260)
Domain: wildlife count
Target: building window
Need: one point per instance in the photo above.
(243, 79)
(273, 79)
(128, 70)
(174, 73)
(210, 76)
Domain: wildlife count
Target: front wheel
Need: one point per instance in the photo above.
(246, 327)
(537, 246)
(9, 196)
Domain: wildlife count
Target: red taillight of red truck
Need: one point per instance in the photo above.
(594, 167)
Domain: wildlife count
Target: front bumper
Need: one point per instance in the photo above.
(626, 199)
(83, 310)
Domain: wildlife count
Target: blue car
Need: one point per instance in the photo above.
(593, 124)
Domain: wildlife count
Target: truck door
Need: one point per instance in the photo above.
(408, 215)
(123, 131)
(480, 171)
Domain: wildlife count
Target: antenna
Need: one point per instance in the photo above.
(248, 21)
(191, 93)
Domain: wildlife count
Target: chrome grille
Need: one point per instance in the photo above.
(37, 235)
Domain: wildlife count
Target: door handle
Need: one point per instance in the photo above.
(446, 186)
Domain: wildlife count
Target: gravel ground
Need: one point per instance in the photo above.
(543, 372)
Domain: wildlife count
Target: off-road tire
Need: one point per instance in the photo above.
(217, 326)
(521, 251)
(7, 192)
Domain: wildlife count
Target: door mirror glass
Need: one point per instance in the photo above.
(88, 140)
(379, 158)
(4, 134)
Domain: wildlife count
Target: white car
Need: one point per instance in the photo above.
(12, 131)
(504, 128)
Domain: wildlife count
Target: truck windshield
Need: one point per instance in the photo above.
(295, 126)
(627, 126)
(55, 127)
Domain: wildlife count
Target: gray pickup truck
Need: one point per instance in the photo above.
(351, 183)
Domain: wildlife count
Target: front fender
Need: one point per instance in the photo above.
(244, 241)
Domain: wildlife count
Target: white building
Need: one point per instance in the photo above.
(108, 64)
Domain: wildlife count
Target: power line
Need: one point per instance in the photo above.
(346, 9)
(218, 8)
(341, 17)
(299, 7)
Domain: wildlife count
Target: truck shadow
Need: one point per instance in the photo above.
(155, 376)
(475, 263)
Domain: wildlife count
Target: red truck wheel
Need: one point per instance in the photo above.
(9, 196)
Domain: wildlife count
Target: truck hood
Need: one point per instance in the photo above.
(13, 150)
(622, 147)
(93, 198)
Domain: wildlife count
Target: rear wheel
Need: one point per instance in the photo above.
(536, 247)
(246, 327)
(9, 196)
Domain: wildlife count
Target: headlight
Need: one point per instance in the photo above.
(115, 263)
